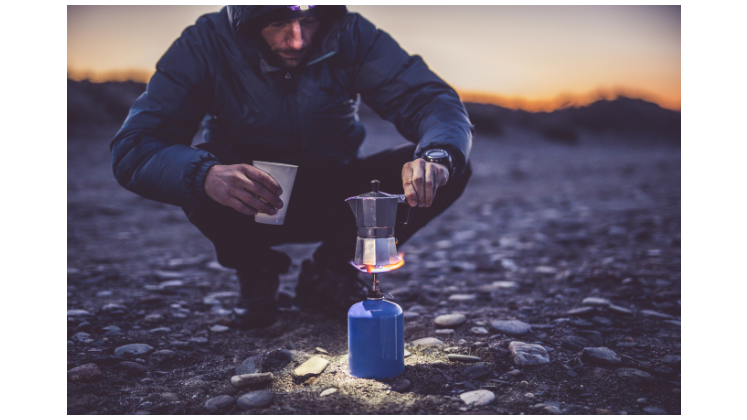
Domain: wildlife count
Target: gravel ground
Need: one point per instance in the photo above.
(541, 228)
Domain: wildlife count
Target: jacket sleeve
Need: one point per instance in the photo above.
(151, 154)
(403, 90)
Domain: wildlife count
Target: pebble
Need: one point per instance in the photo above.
(463, 358)
(543, 269)
(620, 310)
(160, 330)
(219, 402)
(477, 371)
(311, 367)
(249, 365)
(672, 360)
(219, 328)
(114, 309)
(256, 399)
(153, 318)
(478, 397)
(528, 354)
(462, 298)
(410, 315)
(529, 395)
(171, 284)
(600, 355)
(241, 381)
(168, 275)
(429, 342)
(328, 391)
(407, 353)
(575, 343)
(133, 350)
(512, 327)
(655, 411)
(582, 311)
(132, 366)
(630, 373)
(77, 312)
(84, 373)
(654, 314)
(111, 328)
(604, 411)
(401, 385)
(162, 355)
(596, 301)
(552, 409)
(80, 336)
(450, 320)
(515, 373)
(478, 331)
(642, 401)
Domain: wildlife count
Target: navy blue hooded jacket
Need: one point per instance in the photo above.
(303, 116)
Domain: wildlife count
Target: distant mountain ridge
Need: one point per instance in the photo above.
(109, 103)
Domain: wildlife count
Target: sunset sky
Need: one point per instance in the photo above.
(531, 57)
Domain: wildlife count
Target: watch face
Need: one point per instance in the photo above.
(436, 154)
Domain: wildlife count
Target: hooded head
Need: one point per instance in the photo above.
(286, 35)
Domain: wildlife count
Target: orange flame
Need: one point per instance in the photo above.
(386, 268)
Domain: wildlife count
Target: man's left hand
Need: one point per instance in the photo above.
(421, 179)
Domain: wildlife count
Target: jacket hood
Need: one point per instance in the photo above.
(240, 17)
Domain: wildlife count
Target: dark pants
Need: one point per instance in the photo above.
(317, 211)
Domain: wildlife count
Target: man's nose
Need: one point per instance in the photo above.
(295, 37)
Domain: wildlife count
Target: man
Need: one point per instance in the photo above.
(281, 84)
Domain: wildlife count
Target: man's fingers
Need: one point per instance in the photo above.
(418, 180)
(256, 186)
(253, 201)
(410, 195)
(263, 178)
(240, 207)
(431, 183)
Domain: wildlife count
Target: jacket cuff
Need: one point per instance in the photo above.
(456, 155)
(198, 196)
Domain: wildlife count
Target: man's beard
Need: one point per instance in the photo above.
(296, 59)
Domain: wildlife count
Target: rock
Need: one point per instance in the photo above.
(528, 354)
(162, 355)
(114, 309)
(642, 401)
(630, 373)
(477, 371)
(80, 336)
(171, 284)
(444, 332)
(600, 355)
(655, 411)
(513, 327)
(77, 312)
(401, 385)
(168, 275)
(620, 310)
(543, 269)
(407, 353)
(241, 381)
(581, 323)
(672, 360)
(410, 315)
(84, 373)
(429, 342)
(133, 350)
(311, 367)
(478, 331)
(462, 298)
(654, 314)
(552, 409)
(529, 395)
(582, 311)
(515, 373)
(596, 301)
(132, 366)
(256, 399)
(572, 342)
(153, 318)
(219, 328)
(600, 320)
(450, 320)
(169, 397)
(478, 397)
(249, 365)
(463, 358)
(594, 336)
(604, 411)
(220, 402)
(159, 330)
(328, 391)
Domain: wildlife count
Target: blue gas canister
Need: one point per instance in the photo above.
(376, 339)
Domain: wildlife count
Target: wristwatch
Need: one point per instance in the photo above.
(440, 156)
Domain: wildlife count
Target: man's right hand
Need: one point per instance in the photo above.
(241, 187)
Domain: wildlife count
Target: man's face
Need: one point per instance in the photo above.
(290, 40)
